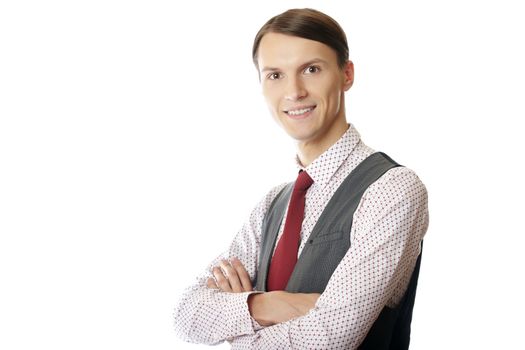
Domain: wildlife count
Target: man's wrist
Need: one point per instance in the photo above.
(278, 306)
(256, 306)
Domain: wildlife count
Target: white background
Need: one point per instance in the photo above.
(122, 122)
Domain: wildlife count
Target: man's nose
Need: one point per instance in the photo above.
(295, 90)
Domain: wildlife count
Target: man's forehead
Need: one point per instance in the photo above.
(300, 64)
(285, 50)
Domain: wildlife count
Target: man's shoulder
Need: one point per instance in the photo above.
(396, 177)
(273, 192)
(398, 181)
(265, 202)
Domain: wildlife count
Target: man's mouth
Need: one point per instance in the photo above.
(299, 112)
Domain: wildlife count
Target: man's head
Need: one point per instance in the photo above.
(308, 24)
(302, 59)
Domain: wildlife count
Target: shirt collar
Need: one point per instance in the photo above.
(324, 167)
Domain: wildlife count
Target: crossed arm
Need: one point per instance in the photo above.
(385, 237)
(266, 308)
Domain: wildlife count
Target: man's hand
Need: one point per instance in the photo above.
(231, 278)
(266, 308)
(279, 306)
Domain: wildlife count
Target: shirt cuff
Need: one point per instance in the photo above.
(256, 326)
(239, 301)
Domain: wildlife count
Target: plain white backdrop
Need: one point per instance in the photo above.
(134, 141)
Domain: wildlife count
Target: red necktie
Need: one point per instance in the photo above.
(285, 256)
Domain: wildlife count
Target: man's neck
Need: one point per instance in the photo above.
(309, 151)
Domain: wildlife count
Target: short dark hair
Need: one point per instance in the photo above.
(309, 24)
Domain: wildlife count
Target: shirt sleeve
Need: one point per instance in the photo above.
(211, 316)
(387, 230)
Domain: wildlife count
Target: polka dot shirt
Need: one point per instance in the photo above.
(388, 226)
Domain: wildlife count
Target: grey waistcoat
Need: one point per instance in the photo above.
(327, 245)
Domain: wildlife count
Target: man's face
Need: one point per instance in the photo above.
(303, 85)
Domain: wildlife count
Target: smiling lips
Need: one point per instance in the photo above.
(299, 113)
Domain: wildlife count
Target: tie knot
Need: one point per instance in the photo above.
(303, 182)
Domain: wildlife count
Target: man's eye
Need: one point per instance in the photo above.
(274, 76)
(311, 69)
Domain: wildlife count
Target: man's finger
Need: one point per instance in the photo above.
(222, 282)
(244, 277)
(231, 274)
(210, 283)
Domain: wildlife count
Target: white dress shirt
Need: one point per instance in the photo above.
(388, 226)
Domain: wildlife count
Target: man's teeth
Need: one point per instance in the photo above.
(300, 111)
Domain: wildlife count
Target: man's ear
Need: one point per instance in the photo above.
(348, 71)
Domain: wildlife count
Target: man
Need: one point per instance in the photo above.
(333, 255)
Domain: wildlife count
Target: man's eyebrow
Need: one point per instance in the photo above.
(304, 65)
(312, 61)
